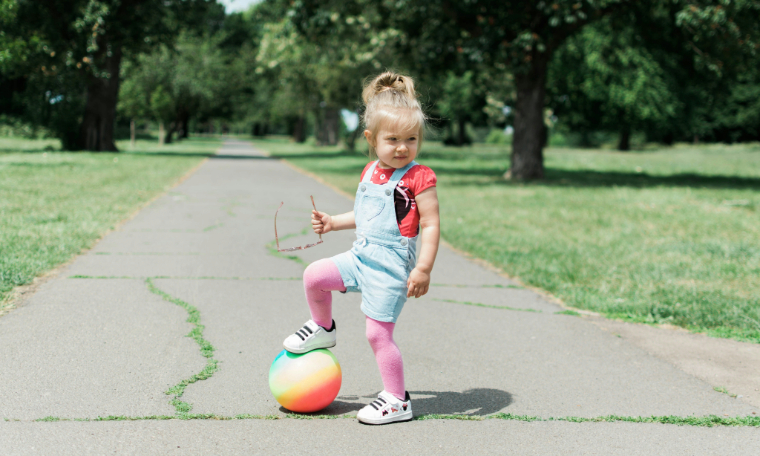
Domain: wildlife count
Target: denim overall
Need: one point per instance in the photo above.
(381, 259)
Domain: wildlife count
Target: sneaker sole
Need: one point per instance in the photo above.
(397, 419)
(302, 351)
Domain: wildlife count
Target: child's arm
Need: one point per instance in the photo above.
(419, 279)
(322, 222)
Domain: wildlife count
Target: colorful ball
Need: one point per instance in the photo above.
(305, 383)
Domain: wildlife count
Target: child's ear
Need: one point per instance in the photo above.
(370, 139)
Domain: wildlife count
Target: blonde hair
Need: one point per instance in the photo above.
(390, 100)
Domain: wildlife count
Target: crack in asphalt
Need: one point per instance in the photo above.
(207, 351)
(697, 421)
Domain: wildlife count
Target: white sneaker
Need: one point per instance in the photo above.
(386, 409)
(310, 337)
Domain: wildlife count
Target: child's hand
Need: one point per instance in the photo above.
(321, 222)
(417, 283)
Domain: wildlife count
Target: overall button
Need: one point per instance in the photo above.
(363, 187)
(403, 242)
(388, 191)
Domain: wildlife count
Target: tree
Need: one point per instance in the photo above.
(604, 78)
(132, 103)
(514, 36)
(163, 109)
(190, 80)
(76, 47)
(520, 37)
(333, 47)
(736, 116)
(642, 71)
(284, 67)
(459, 102)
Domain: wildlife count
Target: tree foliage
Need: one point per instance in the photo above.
(317, 58)
(173, 85)
(674, 70)
(605, 78)
(71, 51)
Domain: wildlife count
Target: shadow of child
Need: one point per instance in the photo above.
(473, 402)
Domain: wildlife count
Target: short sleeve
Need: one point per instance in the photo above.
(419, 179)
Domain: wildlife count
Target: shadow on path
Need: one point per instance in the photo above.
(473, 402)
(328, 154)
(240, 157)
(591, 179)
(213, 156)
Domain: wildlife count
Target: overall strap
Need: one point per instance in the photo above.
(399, 173)
(370, 170)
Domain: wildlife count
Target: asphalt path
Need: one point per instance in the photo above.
(108, 337)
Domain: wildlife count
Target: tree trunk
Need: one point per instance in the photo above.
(462, 135)
(527, 152)
(299, 129)
(161, 136)
(585, 140)
(544, 135)
(169, 137)
(96, 132)
(132, 133)
(351, 139)
(624, 142)
(184, 126)
(329, 128)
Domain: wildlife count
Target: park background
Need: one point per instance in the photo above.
(603, 151)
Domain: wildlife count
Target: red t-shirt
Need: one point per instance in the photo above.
(416, 179)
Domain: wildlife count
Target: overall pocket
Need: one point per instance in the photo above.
(371, 207)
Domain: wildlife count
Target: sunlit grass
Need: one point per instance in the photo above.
(661, 236)
(54, 204)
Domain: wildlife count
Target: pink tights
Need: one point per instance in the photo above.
(319, 280)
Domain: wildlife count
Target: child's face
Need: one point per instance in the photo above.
(395, 147)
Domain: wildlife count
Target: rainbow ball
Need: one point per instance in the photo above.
(305, 383)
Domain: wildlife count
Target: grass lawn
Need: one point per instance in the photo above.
(54, 204)
(668, 236)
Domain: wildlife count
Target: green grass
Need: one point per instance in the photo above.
(698, 421)
(207, 351)
(55, 204)
(568, 312)
(666, 236)
(478, 304)
(272, 247)
(722, 389)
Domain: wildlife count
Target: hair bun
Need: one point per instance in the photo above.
(390, 100)
(402, 85)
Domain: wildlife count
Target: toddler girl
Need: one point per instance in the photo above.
(394, 198)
